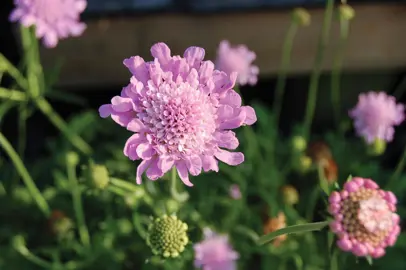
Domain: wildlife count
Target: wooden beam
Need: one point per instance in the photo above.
(377, 41)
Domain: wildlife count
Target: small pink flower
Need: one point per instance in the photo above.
(53, 19)
(215, 252)
(237, 59)
(235, 192)
(181, 112)
(375, 116)
(364, 218)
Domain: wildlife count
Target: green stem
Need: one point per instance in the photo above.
(316, 226)
(31, 61)
(77, 205)
(336, 72)
(14, 95)
(124, 184)
(314, 79)
(27, 254)
(22, 170)
(46, 108)
(283, 71)
(180, 197)
(13, 72)
(399, 168)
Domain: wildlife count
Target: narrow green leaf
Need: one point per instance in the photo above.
(316, 226)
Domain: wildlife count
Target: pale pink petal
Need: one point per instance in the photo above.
(230, 158)
(141, 169)
(162, 52)
(183, 173)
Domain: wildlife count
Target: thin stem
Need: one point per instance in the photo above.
(336, 72)
(14, 95)
(283, 71)
(314, 79)
(22, 170)
(13, 72)
(27, 254)
(180, 197)
(77, 205)
(31, 61)
(73, 138)
(399, 168)
(22, 137)
(124, 184)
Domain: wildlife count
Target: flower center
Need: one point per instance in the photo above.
(366, 216)
(180, 118)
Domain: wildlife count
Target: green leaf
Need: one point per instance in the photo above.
(292, 229)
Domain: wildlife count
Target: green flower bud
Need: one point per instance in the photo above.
(303, 164)
(172, 206)
(301, 16)
(125, 226)
(98, 176)
(299, 143)
(346, 12)
(72, 158)
(167, 236)
(59, 224)
(290, 195)
(377, 148)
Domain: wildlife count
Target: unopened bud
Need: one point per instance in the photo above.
(301, 16)
(304, 164)
(290, 195)
(299, 143)
(98, 176)
(346, 12)
(59, 224)
(72, 158)
(167, 236)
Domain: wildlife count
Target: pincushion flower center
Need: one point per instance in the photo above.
(375, 215)
(181, 118)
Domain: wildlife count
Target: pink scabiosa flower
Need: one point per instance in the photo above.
(181, 111)
(237, 59)
(364, 218)
(215, 252)
(53, 19)
(375, 116)
(235, 192)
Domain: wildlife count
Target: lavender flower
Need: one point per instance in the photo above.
(375, 116)
(237, 59)
(181, 111)
(364, 218)
(215, 252)
(53, 19)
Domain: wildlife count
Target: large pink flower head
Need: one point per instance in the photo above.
(53, 19)
(237, 59)
(181, 111)
(215, 252)
(375, 115)
(364, 218)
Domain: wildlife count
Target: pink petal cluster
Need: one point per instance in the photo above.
(235, 192)
(53, 19)
(237, 59)
(364, 218)
(181, 111)
(215, 252)
(375, 116)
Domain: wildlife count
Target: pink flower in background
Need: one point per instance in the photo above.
(375, 116)
(215, 252)
(235, 192)
(237, 59)
(364, 218)
(181, 111)
(53, 19)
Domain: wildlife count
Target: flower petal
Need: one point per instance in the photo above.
(141, 169)
(209, 163)
(226, 139)
(136, 125)
(251, 117)
(105, 110)
(138, 68)
(230, 158)
(183, 173)
(162, 52)
(194, 56)
(194, 165)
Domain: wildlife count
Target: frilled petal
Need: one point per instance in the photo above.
(230, 158)
(137, 67)
(141, 169)
(251, 117)
(194, 56)
(226, 139)
(209, 163)
(183, 173)
(153, 171)
(162, 52)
